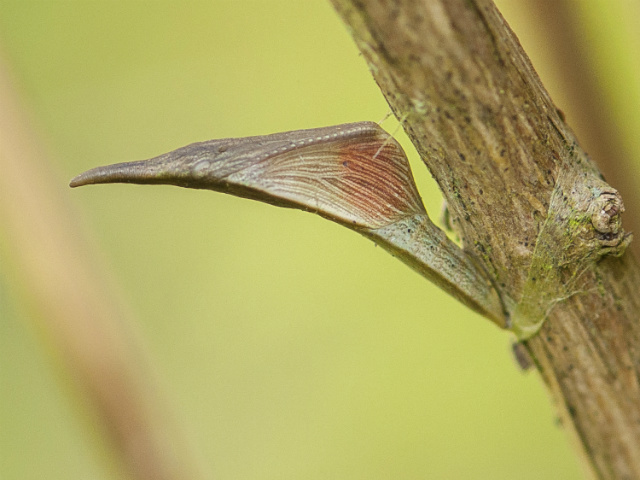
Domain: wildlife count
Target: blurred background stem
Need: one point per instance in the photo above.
(81, 321)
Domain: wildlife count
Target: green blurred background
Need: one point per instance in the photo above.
(288, 346)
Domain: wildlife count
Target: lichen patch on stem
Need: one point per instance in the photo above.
(583, 225)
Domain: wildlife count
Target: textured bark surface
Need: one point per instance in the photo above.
(456, 76)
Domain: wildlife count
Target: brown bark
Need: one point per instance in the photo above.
(478, 115)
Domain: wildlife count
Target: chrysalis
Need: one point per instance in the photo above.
(354, 174)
